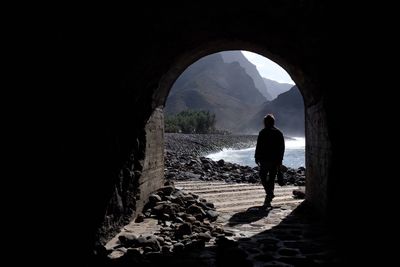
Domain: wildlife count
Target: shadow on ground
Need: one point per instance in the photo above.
(299, 240)
(250, 215)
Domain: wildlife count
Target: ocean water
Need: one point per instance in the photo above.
(294, 156)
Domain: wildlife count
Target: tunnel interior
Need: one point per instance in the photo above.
(114, 150)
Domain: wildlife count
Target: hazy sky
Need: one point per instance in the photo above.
(267, 68)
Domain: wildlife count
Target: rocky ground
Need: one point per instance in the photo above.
(182, 162)
(211, 214)
(202, 144)
(175, 223)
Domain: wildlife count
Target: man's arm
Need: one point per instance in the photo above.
(281, 148)
(256, 153)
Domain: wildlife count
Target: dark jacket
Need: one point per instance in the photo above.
(270, 145)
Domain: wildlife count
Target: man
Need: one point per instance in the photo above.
(269, 155)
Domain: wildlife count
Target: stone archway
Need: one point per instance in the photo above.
(318, 143)
(116, 75)
(318, 149)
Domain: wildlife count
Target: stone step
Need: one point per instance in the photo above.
(244, 207)
(217, 186)
(191, 186)
(237, 196)
(198, 183)
(249, 201)
(235, 189)
(241, 195)
(285, 190)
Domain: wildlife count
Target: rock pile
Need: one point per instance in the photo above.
(190, 167)
(188, 223)
(202, 144)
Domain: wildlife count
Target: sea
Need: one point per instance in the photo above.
(294, 156)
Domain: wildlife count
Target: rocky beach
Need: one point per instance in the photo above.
(209, 213)
(185, 160)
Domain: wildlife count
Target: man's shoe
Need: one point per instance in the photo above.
(267, 203)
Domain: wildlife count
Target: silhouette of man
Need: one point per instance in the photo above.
(269, 155)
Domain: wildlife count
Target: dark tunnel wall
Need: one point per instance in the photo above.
(113, 79)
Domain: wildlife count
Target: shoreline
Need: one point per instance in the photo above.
(203, 144)
(185, 160)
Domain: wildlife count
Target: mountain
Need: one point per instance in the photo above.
(275, 88)
(288, 109)
(251, 69)
(222, 88)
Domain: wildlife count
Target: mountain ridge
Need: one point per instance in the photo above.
(224, 89)
(276, 88)
(288, 109)
(250, 68)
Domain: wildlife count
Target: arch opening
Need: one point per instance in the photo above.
(318, 147)
(236, 89)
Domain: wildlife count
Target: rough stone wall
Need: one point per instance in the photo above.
(152, 176)
(142, 174)
(318, 156)
(122, 206)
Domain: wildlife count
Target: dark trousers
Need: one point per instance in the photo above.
(268, 172)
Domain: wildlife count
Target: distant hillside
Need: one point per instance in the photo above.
(288, 109)
(251, 69)
(275, 88)
(224, 89)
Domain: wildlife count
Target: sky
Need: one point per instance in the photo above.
(267, 68)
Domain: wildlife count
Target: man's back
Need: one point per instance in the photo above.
(270, 145)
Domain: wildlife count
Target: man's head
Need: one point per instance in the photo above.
(269, 120)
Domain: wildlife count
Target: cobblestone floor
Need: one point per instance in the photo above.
(284, 235)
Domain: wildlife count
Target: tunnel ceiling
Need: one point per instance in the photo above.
(112, 72)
